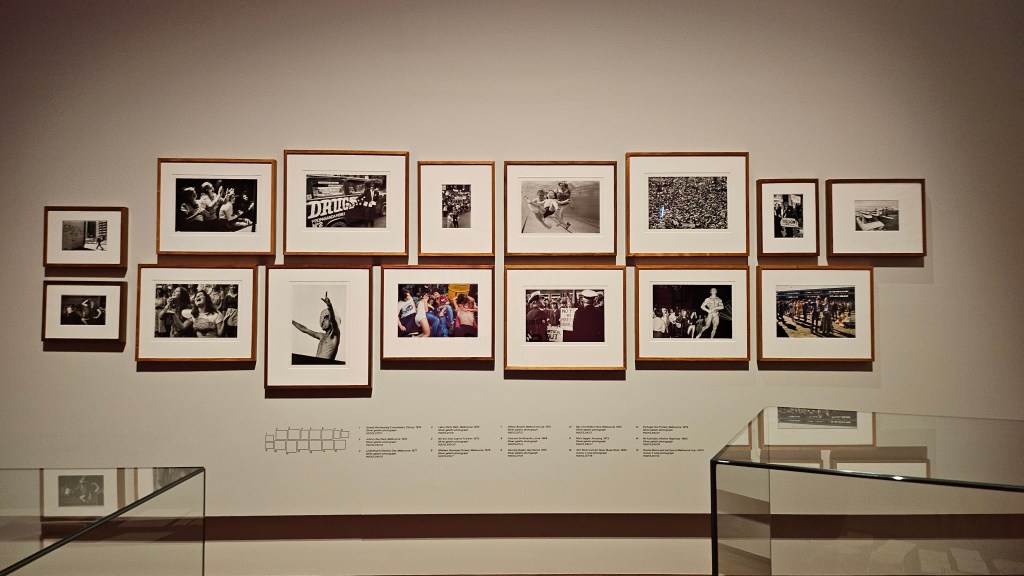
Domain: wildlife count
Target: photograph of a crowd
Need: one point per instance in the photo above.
(687, 203)
(455, 205)
(692, 311)
(789, 215)
(224, 205)
(196, 310)
(83, 310)
(877, 215)
(438, 310)
(565, 315)
(346, 200)
(564, 206)
(815, 312)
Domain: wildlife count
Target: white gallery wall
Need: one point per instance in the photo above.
(94, 92)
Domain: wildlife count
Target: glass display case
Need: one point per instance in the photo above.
(815, 491)
(139, 521)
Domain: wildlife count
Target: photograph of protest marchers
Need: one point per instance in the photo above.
(221, 205)
(875, 217)
(317, 319)
(84, 310)
(456, 206)
(564, 315)
(560, 207)
(788, 217)
(85, 236)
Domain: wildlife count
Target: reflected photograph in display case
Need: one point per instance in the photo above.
(787, 215)
(815, 427)
(85, 237)
(85, 311)
(875, 217)
(456, 204)
(78, 494)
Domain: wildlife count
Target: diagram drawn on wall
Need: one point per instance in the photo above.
(296, 440)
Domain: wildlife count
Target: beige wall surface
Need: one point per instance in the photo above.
(93, 93)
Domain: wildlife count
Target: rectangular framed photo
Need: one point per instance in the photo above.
(215, 206)
(560, 208)
(93, 311)
(815, 427)
(787, 216)
(437, 313)
(456, 201)
(346, 202)
(875, 217)
(687, 203)
(85, 236)
(815, 313)
(80, 493)
(692, 313)
(565, 318)
(197, 313)
(318, 327)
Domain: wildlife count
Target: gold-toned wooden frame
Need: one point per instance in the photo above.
(419, 205)
(830, 216)
(122, 250)
(762, 233)
(122, 304)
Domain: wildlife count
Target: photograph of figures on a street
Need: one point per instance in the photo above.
(692, 311)
(80, 490)
(318, 322)
(88, 235)
(565, 315)
(789, 215)
(561, 206)
(812, 418)
(346, 200)
(437, 310)
(196, 310)
(455, 206)
(687, 203)
(87, 310)
(215, 205)
(815, 312)
(877, 215)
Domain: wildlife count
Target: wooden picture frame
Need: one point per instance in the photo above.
(85, 237)
(787, 217)
(869, 217)
(456, 208)
(84, 311)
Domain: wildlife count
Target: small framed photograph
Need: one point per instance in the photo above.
(456, 201)
(92, 311)
(692, 313)
(815, 313)
(815, 427)
(80, 493)
(215, 206)
(787, 214)
(565, 318)
(437, 313)
(687, 203)
(346, 202)
(318, 327)
(195, 313)
(79, 237)
(875, 217)
(560, 208)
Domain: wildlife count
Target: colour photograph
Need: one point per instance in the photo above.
(437, 310)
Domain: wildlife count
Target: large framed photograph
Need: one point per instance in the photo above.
(437, 313)
(215, 206)
(816, 313)
(692, 313)
(456, 201)
(318, 327)
(563, 208)
(787, 215)
(565, 318)
(93, 311)
(346, 202)
(687, 203)
(85, 236)
(78, 494)
(195, 313)
(875, 217)
(815, 427)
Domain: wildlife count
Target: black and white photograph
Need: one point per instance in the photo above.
(216, 205)
(565, 315)
(787, 216)
(456, 206)
(788, 210)
(165, 476)
(196, 310)
(317, 320)
(561, 206)
(688, 203)
(816, 418)
(83, 310)
(809, 427)
(342, 200)
(80, 490)
(867, 217)
(80, 493)
(877, 215)
(816, 312)
(85, 237)
(692, 311)
(438, 310)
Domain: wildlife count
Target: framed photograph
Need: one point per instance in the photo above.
(92, 311)
(437, 313)
(687, 203)
(79, 237)
(318, 327)
(875, 217)
(816, 313)
(565, 318)
(456, 201)
(815, 427)
(79, 493)
(564, 208)
(215, 206)
(346, 202)
(787, 215)
(692, 313)
(195, 313)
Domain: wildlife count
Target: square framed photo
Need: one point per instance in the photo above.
(85, 236)
(318, 327)
(816, 313)
(875, 217)
(787, 216)
(565, 318)
(346, 202)
(437, 313)
(456, 201)
(93, 311)
(560, 208)
(687, 203)
(195, 313)
(692, 313)
(815, 427)
(215, 206)
(80, 493)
